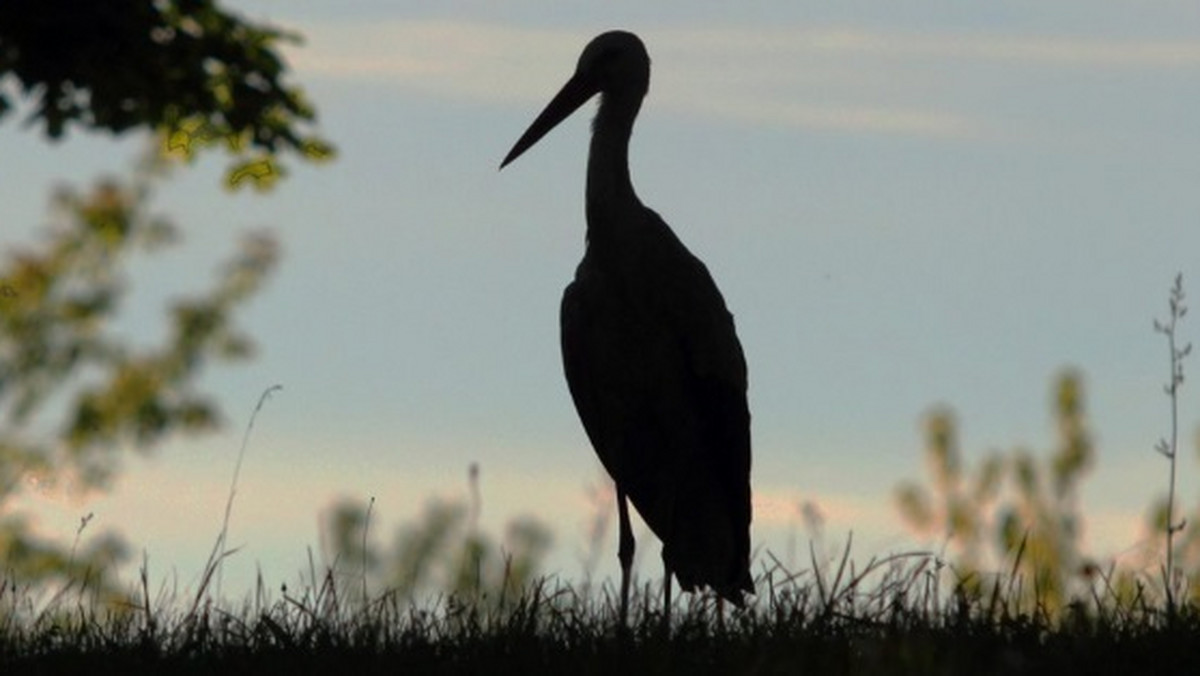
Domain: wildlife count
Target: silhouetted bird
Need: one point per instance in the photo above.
(651, 356)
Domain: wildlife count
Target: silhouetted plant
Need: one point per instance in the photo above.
(1179, 557)
(74, 392)
(1184, 546)
(1032, 529)
(442, 551)
(1164, 516)
(956, 506)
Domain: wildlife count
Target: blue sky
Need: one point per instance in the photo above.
(906, 206)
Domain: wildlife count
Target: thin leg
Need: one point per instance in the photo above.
(624, 552)
(666, 597)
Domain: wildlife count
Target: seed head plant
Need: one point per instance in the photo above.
(1168, 447)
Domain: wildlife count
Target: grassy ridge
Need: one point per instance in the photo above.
(905, 614)
(897, 625)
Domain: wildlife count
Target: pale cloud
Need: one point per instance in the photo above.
(836, 79)
(1043, 50)
(172, 512)
(780, 506)
(1038, 51)
(464, 60)
(879, 119)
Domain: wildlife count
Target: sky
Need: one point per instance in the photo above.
(906, 206)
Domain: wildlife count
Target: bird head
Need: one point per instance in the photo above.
(614, 64)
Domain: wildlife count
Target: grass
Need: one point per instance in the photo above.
(895, 616)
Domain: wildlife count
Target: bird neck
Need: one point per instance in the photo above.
(609, 189)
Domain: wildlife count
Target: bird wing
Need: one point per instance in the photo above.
(598, 375)
(715, 549)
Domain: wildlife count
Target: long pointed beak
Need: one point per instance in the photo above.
(573, 94)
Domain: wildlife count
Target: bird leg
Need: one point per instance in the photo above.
(624, 551)
(666, 621)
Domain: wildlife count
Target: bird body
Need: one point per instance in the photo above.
(659, 381)
(651, 356)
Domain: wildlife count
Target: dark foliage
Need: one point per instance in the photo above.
(186, 68)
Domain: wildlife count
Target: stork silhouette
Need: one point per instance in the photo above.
(650, 352)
